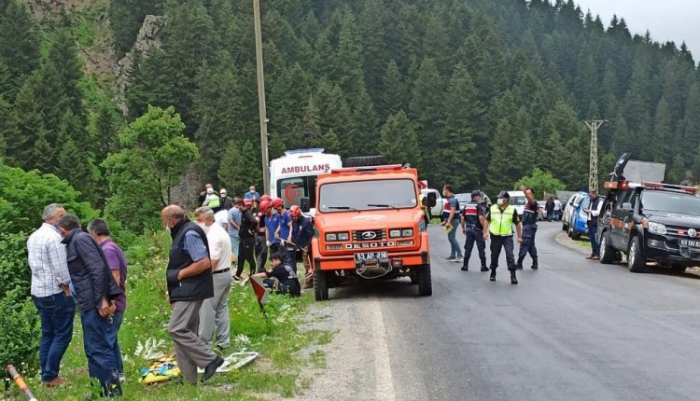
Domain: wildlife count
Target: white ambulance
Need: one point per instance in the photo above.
(293, 176)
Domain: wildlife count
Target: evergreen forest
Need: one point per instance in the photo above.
(475, 93)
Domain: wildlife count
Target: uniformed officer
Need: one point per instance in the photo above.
(502, 217)
(474, 224)
(529, 229)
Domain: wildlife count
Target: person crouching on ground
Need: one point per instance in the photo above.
(95, 288)
(190, 282)
(285, 275)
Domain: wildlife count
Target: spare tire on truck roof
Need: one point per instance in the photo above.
(365, 161)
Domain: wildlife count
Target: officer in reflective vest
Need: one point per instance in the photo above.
(474, 224)
(529, 229)
(502, 217)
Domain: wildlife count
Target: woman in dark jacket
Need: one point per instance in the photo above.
(95, 289)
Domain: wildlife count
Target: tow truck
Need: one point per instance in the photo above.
(369, 224)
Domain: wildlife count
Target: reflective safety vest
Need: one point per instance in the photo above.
(213, 201)
(501, 222)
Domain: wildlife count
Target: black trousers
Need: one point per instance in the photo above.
(246, 253)
(475, 234)
(261, 252)
(505, 242)
(528, 244)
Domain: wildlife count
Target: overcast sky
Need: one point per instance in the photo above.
(667, 20)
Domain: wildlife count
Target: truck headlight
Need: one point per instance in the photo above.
(343, 237)
(331, 237)
(657, 228)
(407, 232)
(394, 233)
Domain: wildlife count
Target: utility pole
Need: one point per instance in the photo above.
(593, 172)
(261, 96)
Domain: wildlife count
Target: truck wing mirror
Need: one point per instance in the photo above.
(432, 199)
(305, 205)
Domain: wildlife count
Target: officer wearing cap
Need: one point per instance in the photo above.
(502, 217)
(474, 224)
(529, 229)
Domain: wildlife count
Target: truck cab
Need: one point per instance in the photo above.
(369, 224)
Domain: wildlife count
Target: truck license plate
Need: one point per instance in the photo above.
(690, 243)
(370, 256)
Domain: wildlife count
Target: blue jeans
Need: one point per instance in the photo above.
(455, 250)
(56, 313)
(235, 244)
(592, 234)
(98, 349)
(112, 337)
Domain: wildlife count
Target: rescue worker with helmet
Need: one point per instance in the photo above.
(474, 225)
(502, 217)
(261, 241)
(284, 233)
(529, 230)
(302, 233)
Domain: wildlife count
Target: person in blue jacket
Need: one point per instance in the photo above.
(302, 232)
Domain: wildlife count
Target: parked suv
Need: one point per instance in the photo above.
(651, 222)
(569, 209)
(369, 225)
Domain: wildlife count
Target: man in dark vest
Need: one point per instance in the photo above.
(474, 224)
(190, 282)
(529, 220)
(593, 212)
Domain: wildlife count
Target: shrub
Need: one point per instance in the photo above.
(14, 270)
(19, 333)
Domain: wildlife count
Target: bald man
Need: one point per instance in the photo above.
(190, 282)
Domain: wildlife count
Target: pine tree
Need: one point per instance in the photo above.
(508, 163)
(425, 107)
(393, 94)
(690, 126)
(399, 142)
(19, 43)
(372, 25)
(329, 141)
(335, 113)
(365, 133)
(72, 161)
(63, 56)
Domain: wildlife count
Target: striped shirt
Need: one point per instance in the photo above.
(47, 259)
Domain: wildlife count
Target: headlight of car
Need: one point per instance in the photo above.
(407, 232)
(394, 233)
(332, 237)
(657, 228)
(343, 237)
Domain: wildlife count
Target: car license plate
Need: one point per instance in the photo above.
(370, 256)
(690, 243)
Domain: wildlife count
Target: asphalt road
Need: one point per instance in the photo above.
(574, 330)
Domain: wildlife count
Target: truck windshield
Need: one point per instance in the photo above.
(361, 195)
(669, 202)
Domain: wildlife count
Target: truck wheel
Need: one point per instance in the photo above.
(320, 285)
(365, 161)
(607, 252)
(425, 284)
(635, 256)
(414, 276)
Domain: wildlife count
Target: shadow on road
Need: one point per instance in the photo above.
(398, 288)
(691, 273)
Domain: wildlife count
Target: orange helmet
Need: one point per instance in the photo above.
(295, 211)
(264, 205)
(277, 203)
(265, 198)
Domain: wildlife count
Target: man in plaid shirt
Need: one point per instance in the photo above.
(50, 289)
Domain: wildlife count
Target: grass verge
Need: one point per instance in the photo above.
(278, 339)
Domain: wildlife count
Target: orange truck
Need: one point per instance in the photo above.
(369, 224)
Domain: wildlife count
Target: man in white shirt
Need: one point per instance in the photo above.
(593, 212)
(214, 316)
(221, 218)
(50, 289)
(557, 209)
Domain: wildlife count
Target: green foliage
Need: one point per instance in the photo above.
(398, 140)
(240, 167)
(153, 156)
(541, 182)
(23, 196)
(14, 271)
(19, 328)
